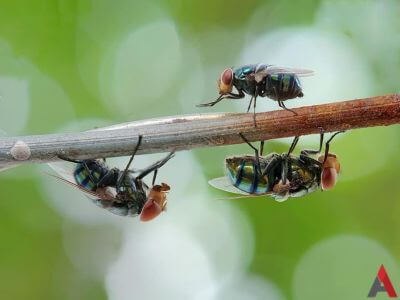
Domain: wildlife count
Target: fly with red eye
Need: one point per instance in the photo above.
(118, 191)
(280, 175)
(277, 83)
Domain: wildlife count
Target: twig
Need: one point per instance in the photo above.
(200, 130)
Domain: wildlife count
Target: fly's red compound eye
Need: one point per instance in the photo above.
(225, 81)
(330, 171)
(328, 178)
(227, 76)
(151, 210)
(331, 161)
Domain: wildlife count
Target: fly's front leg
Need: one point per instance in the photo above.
(239, 95)
(212, 103)
(308, 152)
(309, 161)
(155, 166)
(327, 145)
(154, 177)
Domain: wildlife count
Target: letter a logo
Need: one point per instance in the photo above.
(382, 283)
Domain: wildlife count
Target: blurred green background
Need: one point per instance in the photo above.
(74, 65)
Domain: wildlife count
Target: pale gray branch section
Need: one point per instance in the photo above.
(199, 130)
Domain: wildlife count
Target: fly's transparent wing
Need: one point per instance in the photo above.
(223, 183)
(275, 69)
(65, 173)
(88, 193)
(63, 169)
(263, 70)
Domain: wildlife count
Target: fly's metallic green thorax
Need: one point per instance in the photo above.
(242, 81)
(282, 86)
(244, 174)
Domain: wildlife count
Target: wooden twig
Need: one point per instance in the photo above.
(200, 130)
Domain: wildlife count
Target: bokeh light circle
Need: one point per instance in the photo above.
(145, 65)
(341, 267)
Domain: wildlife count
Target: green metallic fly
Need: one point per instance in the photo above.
(115, 190)
(277, 83)
(280, 175)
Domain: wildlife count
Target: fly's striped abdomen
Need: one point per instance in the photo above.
(82, 177)
(243, 174)
(283, 86)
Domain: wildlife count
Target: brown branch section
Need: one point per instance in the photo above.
(369, 112)
(201, 130)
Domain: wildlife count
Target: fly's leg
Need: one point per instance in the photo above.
(254, 111)
(285, 165)
(270, 172)
(261, 148)
(154, 177)
(307, 160)
(109, 179)
(327, 145)
(282, 105)
(251, 101)
(212, 103)
(308, 152)
(69, 159)
(255, 151)
(239, 95)
(254, 106)
(121, 178)
(284, 170)
(155, 166)
(293, 145)
(253, 98)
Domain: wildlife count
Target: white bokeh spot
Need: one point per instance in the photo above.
(342, 267)
(146, 64)
(14, 104)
